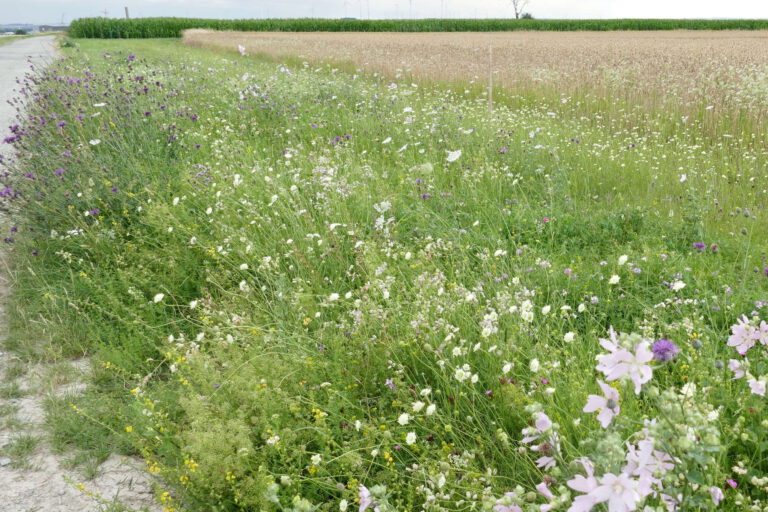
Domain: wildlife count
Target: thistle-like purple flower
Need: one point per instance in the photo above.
(664, 350)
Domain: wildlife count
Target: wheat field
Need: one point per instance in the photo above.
(683, 70)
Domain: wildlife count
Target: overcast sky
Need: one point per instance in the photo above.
(54, 11)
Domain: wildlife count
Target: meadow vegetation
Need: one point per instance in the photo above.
(691, 83)
(308, 289)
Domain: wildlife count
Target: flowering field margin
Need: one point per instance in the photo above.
(310, 290)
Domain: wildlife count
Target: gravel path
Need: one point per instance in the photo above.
(15, 60)
(40, 480)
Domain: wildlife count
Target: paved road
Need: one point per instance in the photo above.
(14, 63)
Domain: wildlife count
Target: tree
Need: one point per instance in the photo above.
(519, 6)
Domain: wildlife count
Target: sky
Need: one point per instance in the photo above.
(58, 11)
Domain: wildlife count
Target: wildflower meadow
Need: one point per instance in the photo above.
(308, 288)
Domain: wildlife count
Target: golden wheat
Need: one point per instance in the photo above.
(668, 72)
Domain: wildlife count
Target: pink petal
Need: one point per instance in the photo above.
(595, 403)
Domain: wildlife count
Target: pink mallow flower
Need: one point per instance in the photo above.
(619, 491)
(364, 495)
(621, 362)
(550, 441)
(584, 484)
(717, 495)
(647, 464)
(737, 367)
(744, 335)
(505, 504)
(607, 405)
(757, 386)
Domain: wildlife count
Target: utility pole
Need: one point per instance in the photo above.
(105, 13)
(126, 14)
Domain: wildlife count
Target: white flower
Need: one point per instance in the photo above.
(244, 266)
(242, 51)
(418, 406)
(317, 459)
(569, 337)
(453, 155)
(431, 409)
(614, 279)
(94, 142)
(158, 297)
(677, 286)
(410, 438)
(193, 304)
(333, 297)
(387, 140)
(545, 310)
(683, 178)
(622, 259)
(404, 418)
(343, 505)
(534, 365)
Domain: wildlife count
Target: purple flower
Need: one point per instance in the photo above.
(664, 350)
(131, 58)
(567, 271)
(765, 270)
(700, 246)
(95, 211)
(390, 384)
(503, 150)
(58, 172)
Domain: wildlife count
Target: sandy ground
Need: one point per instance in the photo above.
(42, 482)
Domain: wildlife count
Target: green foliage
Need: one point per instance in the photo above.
(291, 283)
(107, 28)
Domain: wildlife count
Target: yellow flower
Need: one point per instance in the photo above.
(129, 429)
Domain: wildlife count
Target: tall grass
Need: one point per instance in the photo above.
(106, 28)
(299, 287)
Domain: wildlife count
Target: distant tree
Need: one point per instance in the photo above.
(526, 16)
(519, 6)
(20, 32)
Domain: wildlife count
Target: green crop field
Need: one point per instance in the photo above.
(304, 289)
(172, 27)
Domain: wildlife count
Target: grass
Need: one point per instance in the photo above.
(301, 286)
(10, 39)
(699, 86)
(173, 27)
(20, 448)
